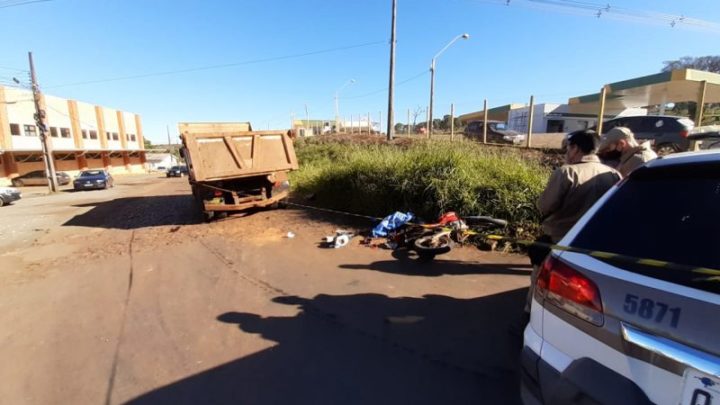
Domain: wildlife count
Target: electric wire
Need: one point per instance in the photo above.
(607, 10)
(221, 66)
(21, 3)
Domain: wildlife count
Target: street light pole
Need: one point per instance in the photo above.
(432, 79)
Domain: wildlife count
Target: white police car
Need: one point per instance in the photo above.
(615, 330)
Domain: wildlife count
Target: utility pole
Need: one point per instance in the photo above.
(452, 122)
(427, 122)
(432, 95)
(172, 157)
(391, 87)
(307, 120)
(380, 120)
(42, 127)
(531, 115)
(601, 113)
(407, 127)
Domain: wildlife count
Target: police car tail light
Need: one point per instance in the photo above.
(568, 289)
(684, 134)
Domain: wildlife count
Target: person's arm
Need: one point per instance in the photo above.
(552, 198)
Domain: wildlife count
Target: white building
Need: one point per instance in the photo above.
(82, 136)
(160, 161)
(553, 117)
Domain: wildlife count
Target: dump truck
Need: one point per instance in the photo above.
(233, 168)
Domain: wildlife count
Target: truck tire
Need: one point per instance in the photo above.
(280, 204)
(208, 216)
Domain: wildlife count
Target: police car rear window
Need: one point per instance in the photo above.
(670, 214)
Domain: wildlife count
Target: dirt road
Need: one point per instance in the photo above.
(122, 296)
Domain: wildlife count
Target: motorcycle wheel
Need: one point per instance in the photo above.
(427, 247)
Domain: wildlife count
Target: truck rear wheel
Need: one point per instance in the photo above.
(208, 216)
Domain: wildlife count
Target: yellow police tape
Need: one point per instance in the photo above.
(713, 273)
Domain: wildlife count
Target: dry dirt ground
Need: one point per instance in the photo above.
(121, 295)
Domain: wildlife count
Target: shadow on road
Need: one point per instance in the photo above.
(138, 212)
(407, 265)
(369, 349)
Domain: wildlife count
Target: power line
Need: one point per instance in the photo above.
(14, 69)
(372, 93)
(222, 66)
(91, 126)
(607, 10)
(21, 3)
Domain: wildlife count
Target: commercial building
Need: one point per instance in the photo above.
(82, 136)
(160, 161)
(629, 97)
(547, 117)
(553, 118)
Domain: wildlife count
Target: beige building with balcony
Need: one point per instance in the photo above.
(83, 136)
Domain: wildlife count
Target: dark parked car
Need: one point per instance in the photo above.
(667, 134)
(93, 179)
(39, 178)
(497, 132)
(177, 171)
(8, 195)
(708, 136)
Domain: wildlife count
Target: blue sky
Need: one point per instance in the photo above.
(514, 51)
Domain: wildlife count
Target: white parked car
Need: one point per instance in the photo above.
(640, 325)
(8, 195)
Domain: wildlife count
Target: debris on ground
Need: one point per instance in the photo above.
(392, 222)
(340, 239)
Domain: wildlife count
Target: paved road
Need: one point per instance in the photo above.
(123, 296)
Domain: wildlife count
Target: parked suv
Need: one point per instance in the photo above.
(497, 132)
(633, 329)
(666, 133)
(177, 171)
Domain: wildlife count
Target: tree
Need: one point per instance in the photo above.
(707, 63)
(147, 144)
(399, 127)
(416, 112)
(689, 109)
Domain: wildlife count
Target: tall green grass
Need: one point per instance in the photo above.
(427, 178)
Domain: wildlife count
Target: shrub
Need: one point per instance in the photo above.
(426, 178)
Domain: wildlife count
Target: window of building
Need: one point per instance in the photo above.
(65, 132)
(54, 132)
(133, 138)
(93, 134)
(65, 156)
(85, 134)
(107, 135)
(30, 130)
(115, 136)
(15, 129)
(29, 158)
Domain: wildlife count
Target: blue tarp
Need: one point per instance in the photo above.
(391, 222)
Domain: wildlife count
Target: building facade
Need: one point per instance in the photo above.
(82, 136)
(554, 118)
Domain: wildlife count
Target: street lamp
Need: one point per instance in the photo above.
(337, 108)
(432, 79)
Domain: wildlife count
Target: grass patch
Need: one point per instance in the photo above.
(426, 178)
